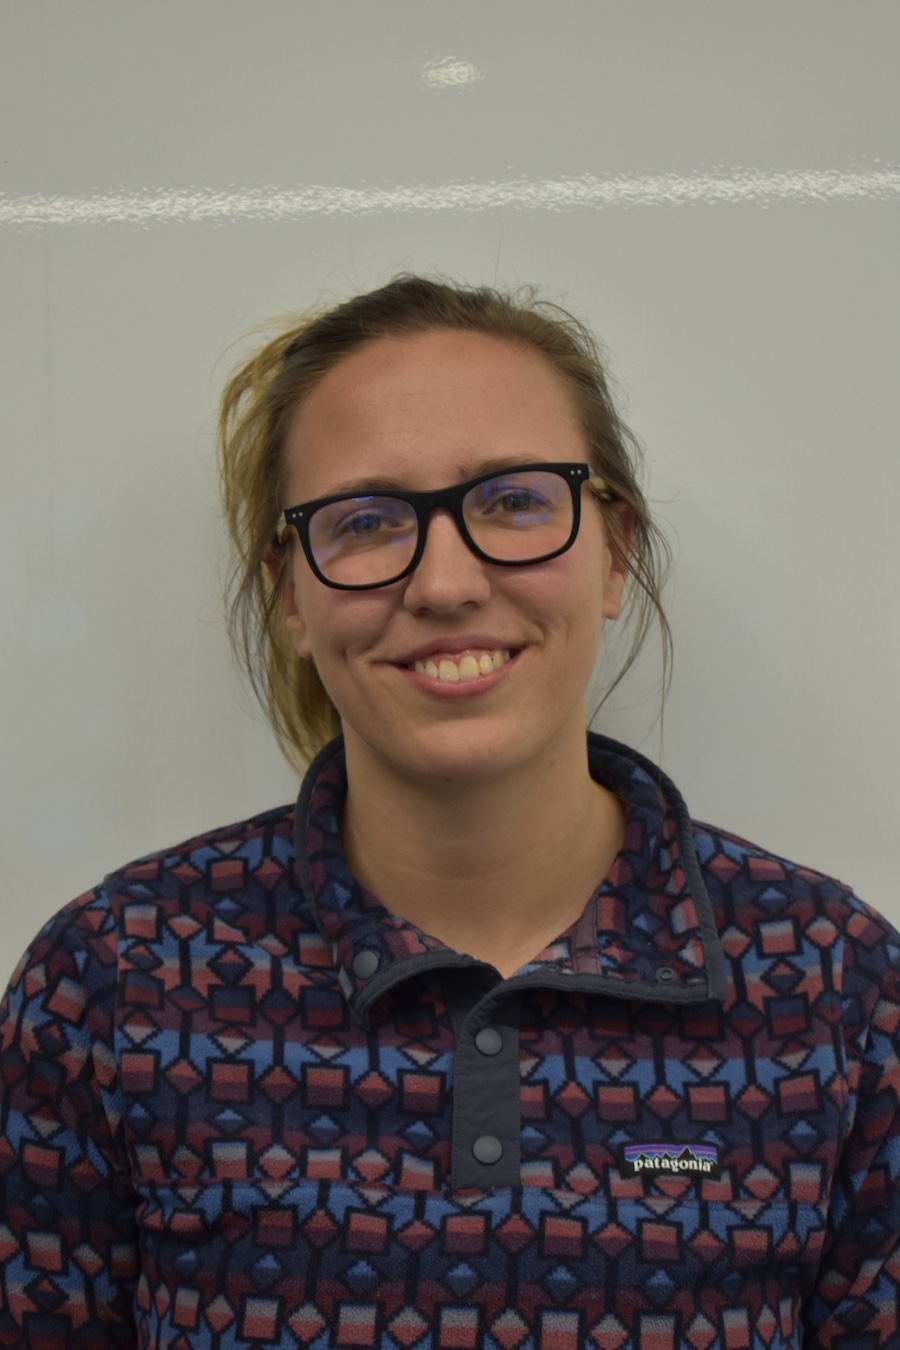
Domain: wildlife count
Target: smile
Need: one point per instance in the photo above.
(468, 667)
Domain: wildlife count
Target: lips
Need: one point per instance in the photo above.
(456, 668)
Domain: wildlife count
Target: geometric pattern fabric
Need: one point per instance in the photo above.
(245, 1106)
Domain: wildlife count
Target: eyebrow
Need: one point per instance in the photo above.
(359, 487)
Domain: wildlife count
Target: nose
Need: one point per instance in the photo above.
(448, 575)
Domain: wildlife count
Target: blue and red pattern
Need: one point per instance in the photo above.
(238, 1099)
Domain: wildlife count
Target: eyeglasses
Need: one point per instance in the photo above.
(525, 514)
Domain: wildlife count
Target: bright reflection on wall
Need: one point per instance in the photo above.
(724, 186)
(450, 73)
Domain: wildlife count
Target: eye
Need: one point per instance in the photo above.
(508, 498)
(517, 499)
(361, 522)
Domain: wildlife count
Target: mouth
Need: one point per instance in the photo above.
(457, 668)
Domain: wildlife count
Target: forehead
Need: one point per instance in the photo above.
(427, 410)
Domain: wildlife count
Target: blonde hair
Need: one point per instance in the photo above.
(259, 403)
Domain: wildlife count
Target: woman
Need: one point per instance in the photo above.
(486, 1043)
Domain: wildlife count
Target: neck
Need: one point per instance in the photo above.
(496, 869)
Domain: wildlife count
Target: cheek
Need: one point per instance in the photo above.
(564, 597)
(330, 627)
(588, 604)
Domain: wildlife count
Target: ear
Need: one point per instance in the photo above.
(619, 522)
(278, 563)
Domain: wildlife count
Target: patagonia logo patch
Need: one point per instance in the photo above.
(683, 1160)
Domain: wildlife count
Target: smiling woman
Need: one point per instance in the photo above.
(484, 1042)
(262, 397)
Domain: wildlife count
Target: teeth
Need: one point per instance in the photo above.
(469, 667)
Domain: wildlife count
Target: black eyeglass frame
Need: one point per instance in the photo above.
(423, 503)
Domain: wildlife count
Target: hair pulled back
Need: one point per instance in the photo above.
(258, 406)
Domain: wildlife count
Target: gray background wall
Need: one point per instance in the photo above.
(715, 186)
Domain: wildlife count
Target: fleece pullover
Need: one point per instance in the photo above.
(243, 1105)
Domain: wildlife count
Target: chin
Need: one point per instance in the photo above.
(454, 755)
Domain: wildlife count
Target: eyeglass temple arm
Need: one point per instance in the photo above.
(600, 487)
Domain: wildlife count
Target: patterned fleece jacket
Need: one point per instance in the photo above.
(243, 1105)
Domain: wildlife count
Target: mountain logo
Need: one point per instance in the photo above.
(694, 1161)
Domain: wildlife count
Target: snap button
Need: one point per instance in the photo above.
(365, 964)
(487, 1149)
(665, 973)
(489, 1041)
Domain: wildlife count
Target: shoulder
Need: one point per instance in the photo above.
(157, 899)
(232, 857)
(770, 881)
(771, 909)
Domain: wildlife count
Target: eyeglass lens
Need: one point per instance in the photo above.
(513, 517)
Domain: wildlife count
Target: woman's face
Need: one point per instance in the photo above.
(425, 412)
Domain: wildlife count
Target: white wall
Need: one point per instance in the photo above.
(713, 185)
